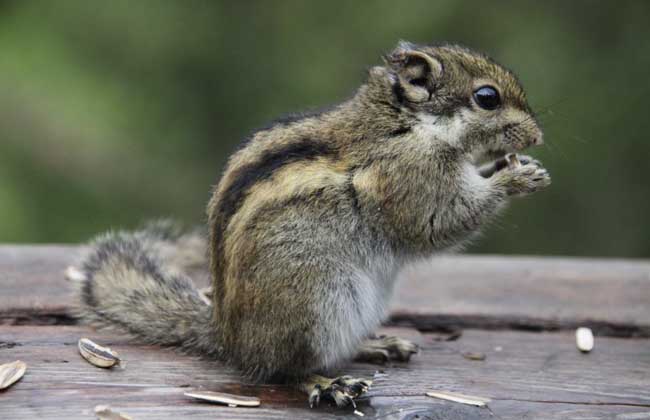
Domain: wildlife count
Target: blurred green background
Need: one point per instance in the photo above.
(114, 112)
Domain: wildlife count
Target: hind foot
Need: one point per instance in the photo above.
(382, 349)
(342, 390)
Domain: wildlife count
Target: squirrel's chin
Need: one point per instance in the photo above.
(485, 155)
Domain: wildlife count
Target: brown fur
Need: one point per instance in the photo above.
(315, 215)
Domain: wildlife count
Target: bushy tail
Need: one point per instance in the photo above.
(136, 282)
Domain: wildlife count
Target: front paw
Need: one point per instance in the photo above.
(527, 177)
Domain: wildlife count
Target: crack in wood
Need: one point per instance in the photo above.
(36, 317)
(438, 323)
(445, 323)
(8, 344)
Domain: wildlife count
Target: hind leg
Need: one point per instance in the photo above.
(284, 340)
(299, 306)
(382, 349)
(275, 334)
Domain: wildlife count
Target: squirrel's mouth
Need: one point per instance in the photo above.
(487, 155)
(492, 152)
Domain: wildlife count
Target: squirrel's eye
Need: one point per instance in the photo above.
(487, 97)
(420, 81)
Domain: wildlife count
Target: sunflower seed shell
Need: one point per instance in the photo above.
(474, 355)
(459, 398)
(10, 373)
(584, 339)
(223, 398)
(97, 355)
(104, 412)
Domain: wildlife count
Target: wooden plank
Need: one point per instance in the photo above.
(462, 291)
(527, 375)
(545, 287)
(32, 276)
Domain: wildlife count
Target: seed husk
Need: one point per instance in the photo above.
(10, 373)
(584, 339)
(97, 355)
(74, 275)
(104, 412)
(451, 336)
(222, 398)
(474, 355)
(459, 398)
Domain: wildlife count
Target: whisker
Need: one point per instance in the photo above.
(547, 113)
(580, 139)
(554, 104)
(553, 148)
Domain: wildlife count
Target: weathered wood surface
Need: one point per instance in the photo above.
(487, 292)
(528, 375)
(529, 293)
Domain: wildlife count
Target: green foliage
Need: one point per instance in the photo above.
(115, 112)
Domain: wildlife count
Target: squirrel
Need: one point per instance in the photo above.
(315, 215)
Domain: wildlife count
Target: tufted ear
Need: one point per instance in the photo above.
(417, 71)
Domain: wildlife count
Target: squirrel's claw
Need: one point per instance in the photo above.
(381, 349)
(314, 396)
(342, 391)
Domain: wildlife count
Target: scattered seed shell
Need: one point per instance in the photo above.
(451, 336)
(97, 355)
(10, 373)
(73, 274)
(358, 413)
(459, 398)
(104, 412)
(474, 355)
(223, 398)
(584, 339)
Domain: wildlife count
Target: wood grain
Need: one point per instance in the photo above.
(527, 375)
(533, 375)
(446, 292)
(528, 293)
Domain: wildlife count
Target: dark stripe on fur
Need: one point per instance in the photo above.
(398, 92)
(249, 175)
(400, 131)
(284, 121)
(263, 169)
(352, 193)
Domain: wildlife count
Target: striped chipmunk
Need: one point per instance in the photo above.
(315, 215)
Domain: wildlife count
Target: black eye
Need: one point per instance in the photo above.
(487, 97)
(420, 81)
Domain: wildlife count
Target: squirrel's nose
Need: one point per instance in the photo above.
(538, 139)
